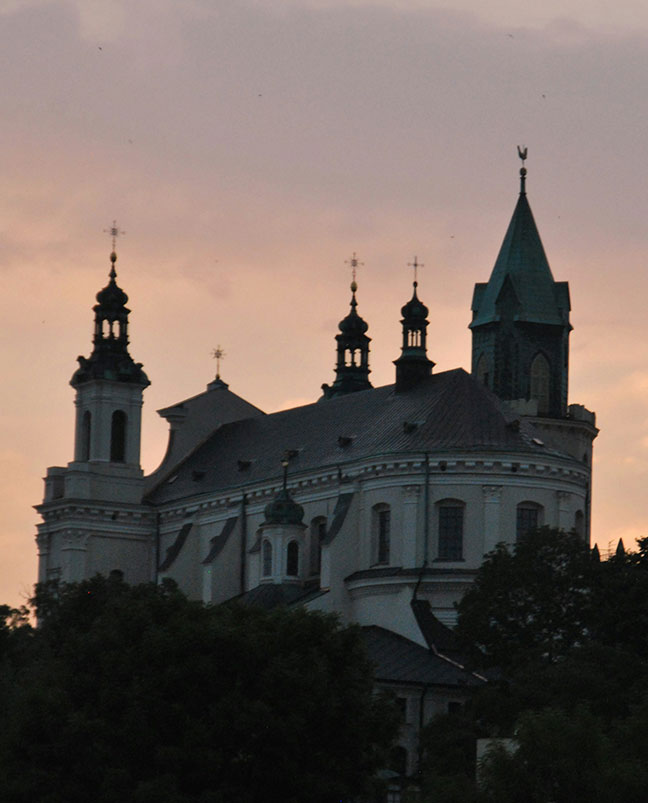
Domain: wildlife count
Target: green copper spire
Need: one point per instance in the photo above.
(531, 289)
(520, 325)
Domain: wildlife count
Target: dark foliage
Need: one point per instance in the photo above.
(569, 636)
(138, 694)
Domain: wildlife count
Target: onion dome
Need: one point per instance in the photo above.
(352, 366)
(110, 359)
(112, 297)
(353, 324)
(415, 310)
(283, 510)
(413, 364)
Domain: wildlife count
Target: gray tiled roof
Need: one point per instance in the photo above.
(272, 595)
(445, 412)
(399, 660)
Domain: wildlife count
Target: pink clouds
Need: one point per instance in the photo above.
(248, 152)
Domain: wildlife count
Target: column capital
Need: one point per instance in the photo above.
(492, 493)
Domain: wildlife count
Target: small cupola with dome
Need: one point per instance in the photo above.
(282, 537)
(352, 368)
(413, 363)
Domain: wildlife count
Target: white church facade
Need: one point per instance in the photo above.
(376, 503)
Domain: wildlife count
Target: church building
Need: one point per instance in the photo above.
(376, 503)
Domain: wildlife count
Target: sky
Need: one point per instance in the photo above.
(248, 148)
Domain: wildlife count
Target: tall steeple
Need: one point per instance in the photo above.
(520, 323)
(109, 383)
(413, 363)
(105, 478)
(352, 368)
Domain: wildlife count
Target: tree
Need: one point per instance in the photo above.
(531, 603)
(569, 634)
(136, 693)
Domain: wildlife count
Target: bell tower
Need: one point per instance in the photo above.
(520, 325)
(93, 517)
(109, 387)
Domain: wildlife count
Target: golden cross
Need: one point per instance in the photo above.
(218, 354)
(416, 265)
(355, 263)
(114, 231)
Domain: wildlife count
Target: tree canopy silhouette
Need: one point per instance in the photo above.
(138, 694)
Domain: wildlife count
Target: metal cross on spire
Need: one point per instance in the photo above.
(416, 265)
(114, 231)
(355, 263)
(218, 354)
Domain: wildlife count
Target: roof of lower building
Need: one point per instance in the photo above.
(396, 659)
(446, 412)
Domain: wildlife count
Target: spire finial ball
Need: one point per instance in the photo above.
(354, 286)
(113, 257)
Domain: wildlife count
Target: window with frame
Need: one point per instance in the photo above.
(382, 533)
(528, 518)
(292, 559)
(118, 437)
(483, 371)
(451, 522)
(86, 429)
(266, 558)
(317, 535)
(541, 383)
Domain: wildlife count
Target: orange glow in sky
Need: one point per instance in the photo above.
(249, 148)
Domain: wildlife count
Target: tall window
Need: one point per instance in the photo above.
(292, 559)
(579, 523)
(86, 423)
(540, 382)
(266, 558)
(317, 535)
(451, 521)
(529, 517)
(483, 371)
(382, 533)
(118, 437)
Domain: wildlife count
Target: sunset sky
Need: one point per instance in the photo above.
(249, 148)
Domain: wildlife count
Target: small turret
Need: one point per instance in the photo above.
(352, 368)
(282, 537)
(413, 363)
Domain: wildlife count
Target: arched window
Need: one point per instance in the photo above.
(450, 515)
(118, 437)
(483, 371)
(266, 559)
(381, 531)
(398, 760)
(317, 534)
(579, 523)
(529, 517)
(292, 559)
(86, 425)
(541, 383)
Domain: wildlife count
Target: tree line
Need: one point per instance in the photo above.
(563, 637)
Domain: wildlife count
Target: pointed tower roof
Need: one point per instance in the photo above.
(522, 272)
